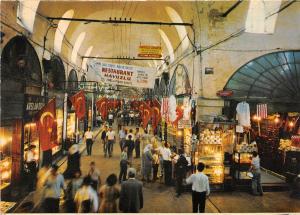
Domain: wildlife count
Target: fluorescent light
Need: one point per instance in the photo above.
(61, 30)
(26, 13)
(76, 47)
(258, 18)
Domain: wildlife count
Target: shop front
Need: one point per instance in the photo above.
(21, 84)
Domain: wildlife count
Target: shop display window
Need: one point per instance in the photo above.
(59, 121)
(31, 138)
(5, 156)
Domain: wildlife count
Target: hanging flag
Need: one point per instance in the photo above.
(156, 117)
(179, 115)
(47, 125)
(141, 108)
(147, 113)
(262, 111)
(102, 107)
(78, 101)
(165, 108)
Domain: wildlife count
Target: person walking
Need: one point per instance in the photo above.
(73, 186)
(110, 118)
(88, 136)
(167, 163)
(155, 164)
(73, 164)
(180, 171)
(137, 143)
(111, 138)
(256, 179)
(109, 193)
(86, 198)
(200, 189)
(123, 165)
(31, 167)
(148, 165)
(130, 148)
(94, 174)
(53, 186)
(131, 196)
(103, 139)
(122, 137)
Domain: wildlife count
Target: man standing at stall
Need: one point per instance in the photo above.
(167, 163)
(200, 189)
(255, 169)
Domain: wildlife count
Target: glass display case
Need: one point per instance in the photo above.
(215, 139)
(6, 157)
(31, 138)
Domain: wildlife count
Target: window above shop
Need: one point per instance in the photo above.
(26, 13)
(274, 76)
(168, 44)
(76, 47)
(87, 53)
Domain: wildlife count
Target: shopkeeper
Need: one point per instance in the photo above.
(30, 166)
(167, 163)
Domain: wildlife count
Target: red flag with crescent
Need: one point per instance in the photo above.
(78, 101)
(102, 107)
(156, 117)
(47, 125)
(147, 114)
(179, 114)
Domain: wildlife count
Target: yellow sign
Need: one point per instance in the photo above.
(150, 51)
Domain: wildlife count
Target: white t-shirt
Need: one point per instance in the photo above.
(132, 136)
(243, 113)
(110, 135)
(88, 135)
(110, 116)
(166, 153)
(199, 182)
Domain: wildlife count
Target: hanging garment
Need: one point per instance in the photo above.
(262, 111)
(243, 114)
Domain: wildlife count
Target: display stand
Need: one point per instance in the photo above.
(215, 139)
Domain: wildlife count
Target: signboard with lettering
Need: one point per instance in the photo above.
(150, 51)
(118, 74)
(32, 105)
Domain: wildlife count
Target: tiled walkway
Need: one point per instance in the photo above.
(159, 198)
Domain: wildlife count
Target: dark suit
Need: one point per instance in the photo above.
(131, 197)
(180, 170)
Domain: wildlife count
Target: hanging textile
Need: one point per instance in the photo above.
(78, 101)
(47, 126)
(243, 114)
(262, 111)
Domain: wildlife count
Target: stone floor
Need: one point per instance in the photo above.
(159, 198)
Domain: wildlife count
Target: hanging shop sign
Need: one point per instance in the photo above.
(32, 105)
(150, 51)
(124, 75)
(225, 93)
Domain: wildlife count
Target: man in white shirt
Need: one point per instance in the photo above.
(111, 138)
(110, 118)
(88, 136)
(200, 188)
(122, 137)
(167, 163)
(255, 169)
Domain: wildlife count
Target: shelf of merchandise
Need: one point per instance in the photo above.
(241, 165)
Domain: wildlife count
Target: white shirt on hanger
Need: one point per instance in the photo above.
(243, 114)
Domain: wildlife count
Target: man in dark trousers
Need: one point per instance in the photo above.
(200, 189)
(103, 138)
(180, 171)
(131, 196)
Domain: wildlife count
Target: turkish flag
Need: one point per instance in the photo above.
(47, 126)
(147, 114)
(78, 101)
(156, 117)
(141, 108)
(179, 114)
(102, 107)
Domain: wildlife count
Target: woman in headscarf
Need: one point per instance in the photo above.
(146, 161)
(109, 194)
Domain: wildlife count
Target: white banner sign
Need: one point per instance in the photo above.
(118, 74)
